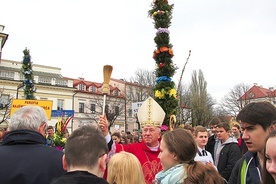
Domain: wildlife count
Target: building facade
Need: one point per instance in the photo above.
(49, 83)
(258, 93)
(83, 97)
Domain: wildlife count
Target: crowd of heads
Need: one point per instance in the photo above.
(122, 137)
(178, 146)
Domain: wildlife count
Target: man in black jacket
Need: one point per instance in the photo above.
(24, 157)
(227, 152)
(85, 157)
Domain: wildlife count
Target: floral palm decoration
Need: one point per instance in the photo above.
(164, 90)
(27, 71)
(59, 138)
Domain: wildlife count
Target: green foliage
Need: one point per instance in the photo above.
(59, 140)
(161, 13)
(29, 88)
(164, 90)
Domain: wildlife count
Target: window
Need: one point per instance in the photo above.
(81, 107)
(251, 95)
(4, 100)
(81, 87)
(7, 74)
(116, 93)
(137, 97)
(60, 104)
(130, 112)
(117, 110)
(92, 89)
(129, 96)
(106, 109)
(145, 96)
(61, 82)
(44, 80)
(93, 108)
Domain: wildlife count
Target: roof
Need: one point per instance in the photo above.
(258, 92)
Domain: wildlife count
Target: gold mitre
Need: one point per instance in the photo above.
(150, 113)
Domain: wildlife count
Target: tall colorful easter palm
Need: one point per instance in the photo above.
(165, 92)
(27, 71)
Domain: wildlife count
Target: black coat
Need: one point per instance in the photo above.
(79, 177)
(211, 145)
(25, 159)
(228, 157)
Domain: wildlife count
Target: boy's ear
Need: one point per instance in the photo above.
(64, 163)
(102, 165)
(272, 127)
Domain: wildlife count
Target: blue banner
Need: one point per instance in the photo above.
(61, 113)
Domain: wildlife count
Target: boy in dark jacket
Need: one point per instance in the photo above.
(85, 157)
(256, 122)
(227, 152)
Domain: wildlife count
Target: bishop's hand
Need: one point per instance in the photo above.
(103, 125)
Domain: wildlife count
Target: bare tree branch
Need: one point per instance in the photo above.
(230, 105)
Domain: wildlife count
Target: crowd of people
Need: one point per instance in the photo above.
(244, 153)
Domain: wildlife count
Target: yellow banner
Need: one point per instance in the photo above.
(45, 104)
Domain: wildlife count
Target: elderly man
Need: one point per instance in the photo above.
(24, 156)
(150, 116)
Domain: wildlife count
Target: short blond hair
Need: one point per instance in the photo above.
(121, 167)
(200, 129)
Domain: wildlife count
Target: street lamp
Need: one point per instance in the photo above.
(3, 38)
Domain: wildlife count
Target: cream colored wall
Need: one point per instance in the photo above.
(43, 91)
(71, 101)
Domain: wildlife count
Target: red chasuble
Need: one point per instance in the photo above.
(150, 163)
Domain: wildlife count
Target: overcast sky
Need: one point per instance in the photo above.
(231, 41)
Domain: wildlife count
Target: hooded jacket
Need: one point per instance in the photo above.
(229, 154)
(247, 170)
(25, 159)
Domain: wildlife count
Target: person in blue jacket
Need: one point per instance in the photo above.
(256, 122)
